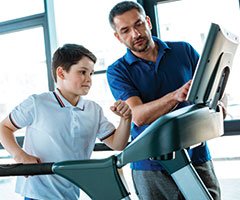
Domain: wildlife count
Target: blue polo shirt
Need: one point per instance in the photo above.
(132, 76)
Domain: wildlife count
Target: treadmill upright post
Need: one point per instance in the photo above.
(186, 177)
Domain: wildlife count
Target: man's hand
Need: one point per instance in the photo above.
(181, 93)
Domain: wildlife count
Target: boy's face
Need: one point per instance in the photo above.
(77, 81)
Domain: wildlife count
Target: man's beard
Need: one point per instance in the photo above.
(142, 48)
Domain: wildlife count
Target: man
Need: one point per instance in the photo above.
(154, 77)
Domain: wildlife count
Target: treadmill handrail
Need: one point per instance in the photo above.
(173, 132)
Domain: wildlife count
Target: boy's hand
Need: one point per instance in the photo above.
(121, 109)
(26, 158)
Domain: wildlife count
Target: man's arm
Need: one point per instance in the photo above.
(149, 112)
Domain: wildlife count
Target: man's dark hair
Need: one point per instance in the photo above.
(68, 55)
(123, 7)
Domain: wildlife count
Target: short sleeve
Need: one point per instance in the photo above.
(106, 128)
(193, 55)
(120, 82)
(23, 114)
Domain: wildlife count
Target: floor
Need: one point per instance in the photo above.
(229, 177)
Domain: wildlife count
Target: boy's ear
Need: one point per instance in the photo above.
(60, 72)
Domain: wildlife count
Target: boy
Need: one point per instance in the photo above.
(61, 125)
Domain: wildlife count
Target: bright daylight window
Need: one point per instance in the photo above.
(175, 24)
(12, 9)
(23, 72)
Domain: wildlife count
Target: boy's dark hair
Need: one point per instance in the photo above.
(123, 7)
(68, 55)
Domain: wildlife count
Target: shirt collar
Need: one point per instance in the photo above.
(65, 103)
(131, 58)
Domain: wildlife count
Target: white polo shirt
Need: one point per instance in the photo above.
(57, 131)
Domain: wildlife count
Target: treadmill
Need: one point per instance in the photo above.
(165, 140)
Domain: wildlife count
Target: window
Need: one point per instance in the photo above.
(13, 9)
(86, 23)
(23, 64)
(23, 70)
(175, 25)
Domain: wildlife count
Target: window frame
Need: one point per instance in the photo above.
(44, 20)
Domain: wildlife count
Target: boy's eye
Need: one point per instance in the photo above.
(85, 72)
(82, 72)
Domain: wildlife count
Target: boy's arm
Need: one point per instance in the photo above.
(119, 139)
(8, 141)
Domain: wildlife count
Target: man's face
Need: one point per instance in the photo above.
(133, 30)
